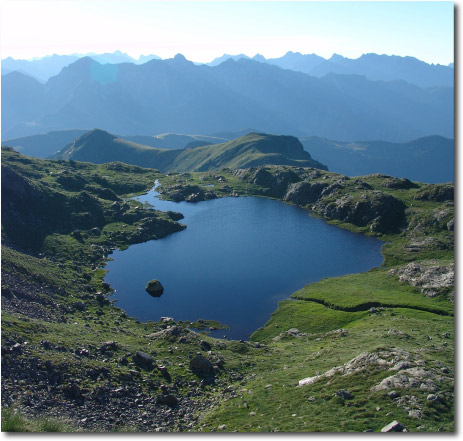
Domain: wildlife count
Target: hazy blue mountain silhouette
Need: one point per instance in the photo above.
(429, 159)
(295, 61)
(41, 69)
(44, 68)
(225, 57)
(387, 68)
(373, 66)
(178, 96)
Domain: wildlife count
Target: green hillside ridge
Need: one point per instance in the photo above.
(254, 149)
(68, 351)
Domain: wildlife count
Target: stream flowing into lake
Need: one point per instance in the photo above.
(237, 258)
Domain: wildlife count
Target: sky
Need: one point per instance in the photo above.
(204, 30)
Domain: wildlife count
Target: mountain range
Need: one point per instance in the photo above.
(373, 66)
(254, 149)
(44, 68)
(179, 96)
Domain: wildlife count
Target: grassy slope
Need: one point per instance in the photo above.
(98, 147)
(281, 363)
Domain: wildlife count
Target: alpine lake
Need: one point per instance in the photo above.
(237, 258)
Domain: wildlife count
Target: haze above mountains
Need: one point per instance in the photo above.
(179, 96)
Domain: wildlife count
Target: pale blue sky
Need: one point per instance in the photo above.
(205, 30)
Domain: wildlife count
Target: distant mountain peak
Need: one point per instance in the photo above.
(180, 60)
(96, 134)
(336, 57)
(259, 57)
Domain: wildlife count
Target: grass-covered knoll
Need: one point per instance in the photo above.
(251, 150)
(356, 292)
(306, 317)
(98, 146)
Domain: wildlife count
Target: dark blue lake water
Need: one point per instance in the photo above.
(235, 260)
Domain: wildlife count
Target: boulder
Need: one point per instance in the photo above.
(169, 399)
(142, 359)
(154, 288)
(395, 426)
(200, 365)
(344, 394)
(108, 346)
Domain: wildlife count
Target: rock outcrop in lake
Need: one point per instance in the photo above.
(154, 288)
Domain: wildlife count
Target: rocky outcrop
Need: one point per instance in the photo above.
(387, 359)
(303, 193)
(433, 279)
(274, 180)
(436, 193)
(175, 333)
(189, 193)
(424, 243)
(200, 365)
(416, 377)
(399, 183)
(276, 183)
(383, 212)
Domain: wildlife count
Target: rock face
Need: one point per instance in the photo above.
(303, 193)
(154, 288)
